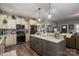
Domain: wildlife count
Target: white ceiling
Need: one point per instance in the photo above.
(59, 11)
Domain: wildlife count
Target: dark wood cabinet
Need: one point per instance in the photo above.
(71, 42)
(77, 42)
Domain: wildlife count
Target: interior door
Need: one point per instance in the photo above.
(64, 28)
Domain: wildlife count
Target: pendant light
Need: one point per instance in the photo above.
(49, 14)
(39, 18)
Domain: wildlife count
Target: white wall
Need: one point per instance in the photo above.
(68, 22)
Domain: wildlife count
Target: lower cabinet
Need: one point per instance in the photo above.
(53, 49)
(10, 40)
(47, 48)
(35, 44)
(32, 41)
(44, 48)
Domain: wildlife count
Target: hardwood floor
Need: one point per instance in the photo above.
(25, 50)
(22, 50)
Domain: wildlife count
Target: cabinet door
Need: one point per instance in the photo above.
(11, 24)
(53, 49)
(38, 46)
(43, 47)
(32, 42)
(35, 44)
(48, 48)
(11, 39)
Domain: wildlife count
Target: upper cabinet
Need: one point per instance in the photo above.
(20, 21)
(33, 22)
(11, 24)
(2, 25)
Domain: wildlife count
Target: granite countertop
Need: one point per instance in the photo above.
(49, 38)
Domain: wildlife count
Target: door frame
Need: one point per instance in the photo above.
(66, 25)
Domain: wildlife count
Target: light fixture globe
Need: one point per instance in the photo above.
(39, 19)
(49, 16)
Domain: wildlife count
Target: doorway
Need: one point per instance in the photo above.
(64, 29)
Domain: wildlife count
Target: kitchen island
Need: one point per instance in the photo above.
(47, 45)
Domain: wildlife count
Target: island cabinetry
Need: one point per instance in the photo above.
(47, 48)
(32, 42)
(35, 44)
(38, 46)
(52, 49)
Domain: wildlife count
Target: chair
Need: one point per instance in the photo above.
(71, 42)
(77, 42)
